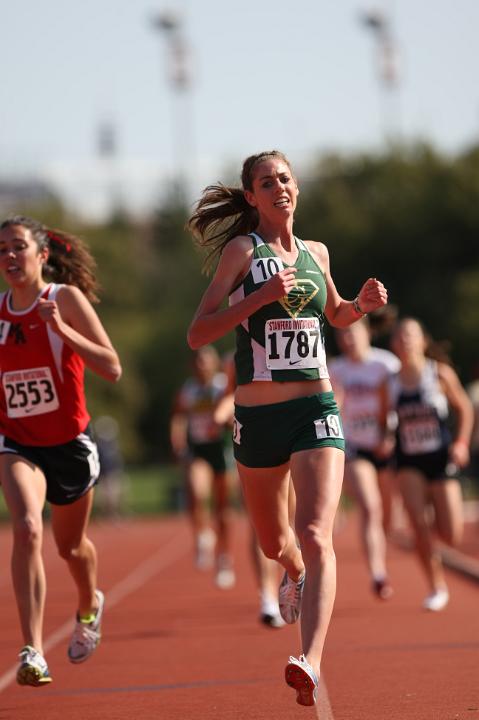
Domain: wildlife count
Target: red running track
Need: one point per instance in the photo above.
(175, 646)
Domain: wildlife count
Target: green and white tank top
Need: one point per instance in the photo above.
(282, 341)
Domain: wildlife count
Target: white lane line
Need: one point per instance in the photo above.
(323, 708)
(166, 556)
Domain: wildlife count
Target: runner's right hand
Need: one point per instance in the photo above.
(278, 285)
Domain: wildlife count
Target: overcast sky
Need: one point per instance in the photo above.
(302, 76)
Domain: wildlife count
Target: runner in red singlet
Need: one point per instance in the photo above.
(49, 332)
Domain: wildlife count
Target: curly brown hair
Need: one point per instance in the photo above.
(69, 259)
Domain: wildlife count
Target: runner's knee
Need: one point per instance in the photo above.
(69, 549)
(28, 533)
(274, 548)
(316, 544)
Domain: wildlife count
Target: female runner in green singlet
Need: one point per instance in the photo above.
(286, 420)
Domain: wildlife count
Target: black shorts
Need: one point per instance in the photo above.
(70, 469)
(214, 453)
(434, 466)
(267, 435)
(355, 453)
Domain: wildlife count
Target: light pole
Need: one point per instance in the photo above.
(170, 25)
(107, 151)
(379, 24)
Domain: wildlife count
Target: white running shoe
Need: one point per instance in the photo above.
(86, 635)
(33, 668)
(225, 577)
(437, 600)
(299, 675)
(270, 614)
(290, 595)
(204, 550)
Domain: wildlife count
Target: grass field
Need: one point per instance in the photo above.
(144, 490)
(151, 490)
(159, 489)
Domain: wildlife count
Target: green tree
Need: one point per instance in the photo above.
(409, 217)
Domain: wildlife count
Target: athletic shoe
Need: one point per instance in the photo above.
(270, 615)
(382, 588)
(87, 634)
(437, 600)
(33, 668)
(225, 576)
(300, 675)
(272, 620)
(290, 595)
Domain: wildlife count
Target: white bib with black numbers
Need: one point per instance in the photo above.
(294, 343)
(263, 269)
(420, 436)
(362, 428)
(29, 392)
(329, 427)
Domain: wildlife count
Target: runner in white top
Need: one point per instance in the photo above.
(360, 379)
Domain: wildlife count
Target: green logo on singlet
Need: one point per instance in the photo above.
(297, 299)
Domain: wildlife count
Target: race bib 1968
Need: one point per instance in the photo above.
(420, 436)
(29, 392)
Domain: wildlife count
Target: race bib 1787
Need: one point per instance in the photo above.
(294, 343)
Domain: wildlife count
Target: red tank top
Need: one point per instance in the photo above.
(42, 398)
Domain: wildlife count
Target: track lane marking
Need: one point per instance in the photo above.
(322, 709)
(160, 560)
(161, 687)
